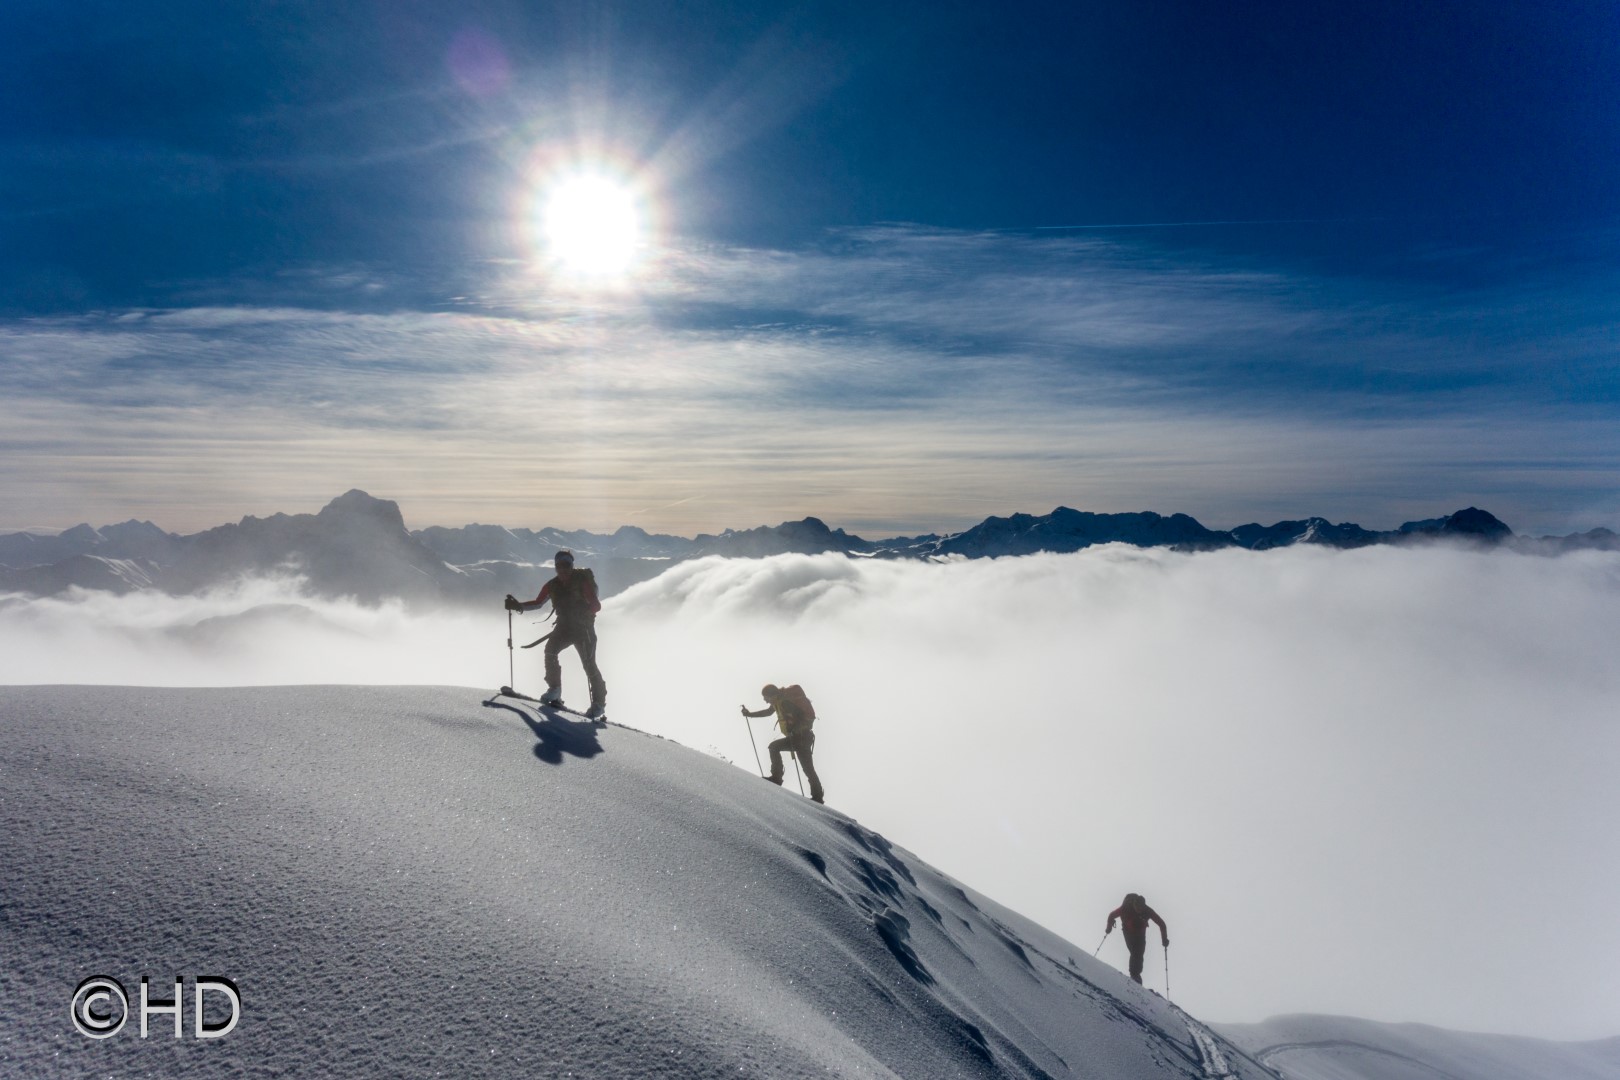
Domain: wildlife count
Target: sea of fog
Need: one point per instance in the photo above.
(1378, 782)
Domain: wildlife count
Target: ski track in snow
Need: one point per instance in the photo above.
(1270, 1052)
(894, 929)
(1211, 1060)
(1315, 1047)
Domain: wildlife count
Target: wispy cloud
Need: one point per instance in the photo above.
(1187, 325)
(895, 379)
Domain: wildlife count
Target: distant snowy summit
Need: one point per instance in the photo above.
(358, 546)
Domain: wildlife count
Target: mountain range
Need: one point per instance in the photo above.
(358, 546)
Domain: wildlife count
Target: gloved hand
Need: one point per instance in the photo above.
(1167, 943)
(512, 603)
(744, 709)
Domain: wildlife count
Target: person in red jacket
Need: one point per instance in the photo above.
(1133, 916)
(573, 598)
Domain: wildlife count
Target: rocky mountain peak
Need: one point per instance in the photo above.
(355, 504)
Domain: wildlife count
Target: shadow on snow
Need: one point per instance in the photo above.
(560, 735)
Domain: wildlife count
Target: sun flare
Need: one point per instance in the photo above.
(592, 225)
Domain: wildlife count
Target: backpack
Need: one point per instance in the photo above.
(798, 703)
(574, 606)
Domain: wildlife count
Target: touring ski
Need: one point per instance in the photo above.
(507, 691)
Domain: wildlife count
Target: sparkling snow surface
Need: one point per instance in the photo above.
(430, 882)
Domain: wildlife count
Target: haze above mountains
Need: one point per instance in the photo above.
(358, 546)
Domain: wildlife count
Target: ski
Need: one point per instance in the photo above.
(507, 691)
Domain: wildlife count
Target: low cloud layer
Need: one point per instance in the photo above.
(255, 633)
(1376, 782)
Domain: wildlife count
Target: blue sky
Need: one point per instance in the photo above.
(252, 256)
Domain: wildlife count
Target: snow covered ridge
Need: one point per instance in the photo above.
(1339, 1048)
(429, 881)
(358, 546)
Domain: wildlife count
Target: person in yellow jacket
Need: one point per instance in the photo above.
(795, 716)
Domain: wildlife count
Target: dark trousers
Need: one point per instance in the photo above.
(583, 640)
(803, 744)
(1137, 944)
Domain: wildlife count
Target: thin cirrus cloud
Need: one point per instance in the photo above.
(897, 378)
(1195, 322)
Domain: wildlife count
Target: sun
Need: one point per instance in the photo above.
(592, 225)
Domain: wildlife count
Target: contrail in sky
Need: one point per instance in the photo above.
(666, 506)
(1179, 224)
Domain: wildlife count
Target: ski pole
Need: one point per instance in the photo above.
(511, 669)
(796, 772)
(751, 741)
(1167, 973)
(1098, 949)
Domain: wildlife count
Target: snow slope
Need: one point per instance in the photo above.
(425, 881)
(1343, 1048)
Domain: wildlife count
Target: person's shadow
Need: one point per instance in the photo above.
(560, 735)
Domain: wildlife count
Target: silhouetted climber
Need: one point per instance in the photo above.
(574, 601)
(1133, 916)
(794, 715)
